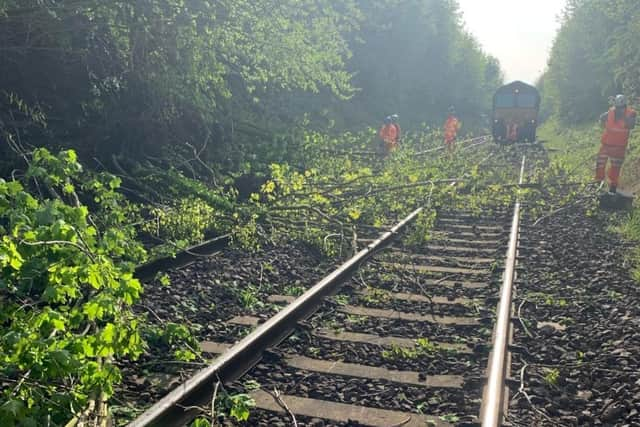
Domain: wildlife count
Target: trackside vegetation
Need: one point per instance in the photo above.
(233, 80)
(71, 242)
(591, 61)
(67, 288)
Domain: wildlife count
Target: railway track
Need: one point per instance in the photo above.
(397, 335)
(146, 272)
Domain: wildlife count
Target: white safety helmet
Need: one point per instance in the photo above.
(620, 101)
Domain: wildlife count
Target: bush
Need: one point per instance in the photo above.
(66, 291)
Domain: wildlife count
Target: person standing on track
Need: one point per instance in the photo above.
(618, 123)
(389, 136)
(451, 127)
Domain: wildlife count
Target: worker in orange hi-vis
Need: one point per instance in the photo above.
(389, 135)
(451, 127)
(618, 123)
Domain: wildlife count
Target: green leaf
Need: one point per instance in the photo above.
(108, 333)
(184, 355)
(13, 407)
(58, 324)
(114, 183)
(93, 310)
(164, 279)
(450, 418)
(9, 255)
(62, 357)
(88, 346)
(68, 188)
(95, 277)
(13, 187)
(241, 404)
(47, 215)
(201, 422)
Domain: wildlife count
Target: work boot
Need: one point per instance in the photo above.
(613, 189)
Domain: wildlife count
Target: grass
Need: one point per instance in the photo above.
(629, 228)
(423, 347)
(576, 148)
(551, 377)
(542, 298)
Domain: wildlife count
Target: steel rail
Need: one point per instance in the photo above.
(181, 405)
(483, 139)
(493, 406)
(148, 271)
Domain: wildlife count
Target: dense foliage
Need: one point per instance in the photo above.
(594, 57)
(414, 58)
(131, 76)
(66, 291)
(344, 192)
(115, 75)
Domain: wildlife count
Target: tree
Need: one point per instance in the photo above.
(593, 58)
(132, 77)
(414, 57)
(151, 71)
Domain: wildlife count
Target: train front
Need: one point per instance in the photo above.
(515, 113)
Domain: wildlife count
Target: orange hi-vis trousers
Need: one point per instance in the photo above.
(390, 145)
(450, 143)
(614, 154)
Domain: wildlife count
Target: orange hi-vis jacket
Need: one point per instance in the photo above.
(389, 133)
(399, 135)
(451, 127)
(616, 132)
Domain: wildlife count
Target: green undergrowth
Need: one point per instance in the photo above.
(68, 252)
(179, 211)
(71, 242)
(344, 190)
(66, 291)
(574, 149)
(628, 226)
(423, 348)
(334, 191)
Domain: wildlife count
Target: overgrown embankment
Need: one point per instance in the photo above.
(591, 61)
(577, 146)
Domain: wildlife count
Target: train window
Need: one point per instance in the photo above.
(527, 100)
(505, 100)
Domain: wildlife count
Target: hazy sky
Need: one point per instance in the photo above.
(518, 32)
